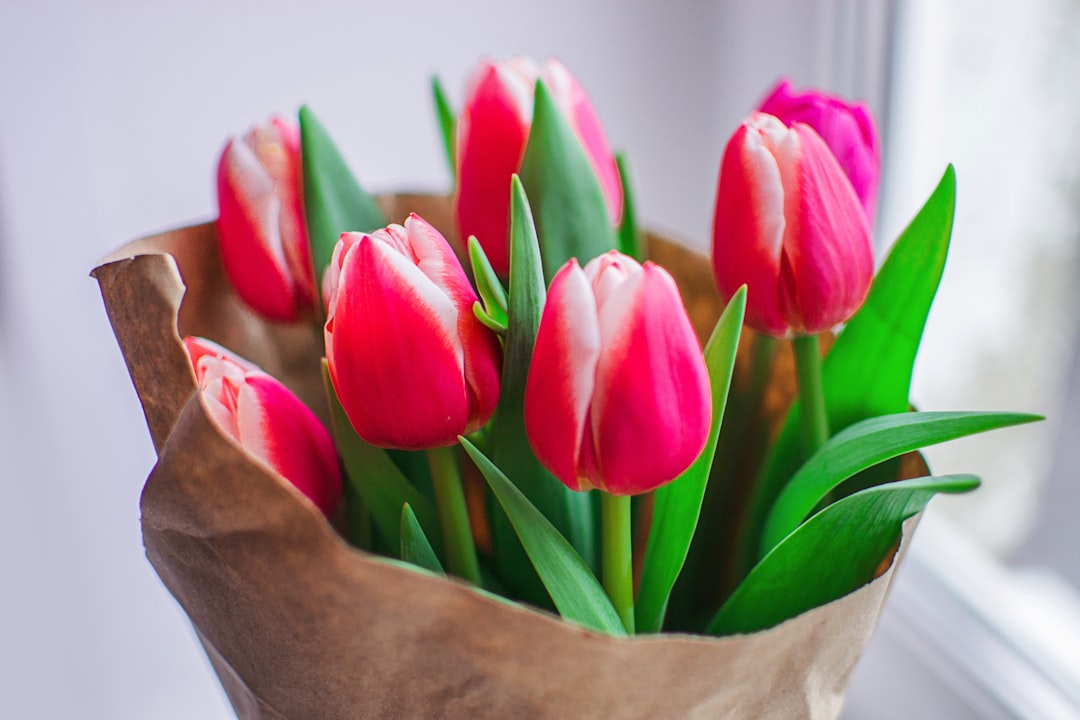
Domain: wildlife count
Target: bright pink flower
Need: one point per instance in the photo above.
(264, 240)
(411, 364)
(789, 226)
(618, 395)
(267, 421)
(847, 128)
(492, 133)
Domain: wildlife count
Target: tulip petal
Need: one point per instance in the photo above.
(437, 261)
(828, 261)
(562, 374)
(748, 227)
(393, 351)
(218, 396)
(652, 404)
(277, 145)
(607, 273)
(250, 234)
(267, 421)
(492, 131)
(290, 439)
(200, 347)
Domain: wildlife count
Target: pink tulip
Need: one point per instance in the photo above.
(270, 423)
(492, 134)
(847, 128)
(411, 364)
(618, 395)
(790, 227)
(264, 240)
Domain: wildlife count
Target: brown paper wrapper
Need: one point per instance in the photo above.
(299, 625)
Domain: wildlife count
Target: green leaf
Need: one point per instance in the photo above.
(334, 202)
(570, 210)
(569, 511)
(489, 322)
(867, 372)
(570, 582)
(863, 445)
(415, 547)
(629, 233)
(833, 553)
(487, 283)
(357, 519)
(375, 477)
(447, 124)
(677, 505)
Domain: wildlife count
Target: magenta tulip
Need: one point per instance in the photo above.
(411, 364)
(492, 134)
(264, 418)
(790, 227)
(618, 395)
(263, 234)
(846, 127)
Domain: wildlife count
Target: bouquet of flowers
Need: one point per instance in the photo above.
(516, 456)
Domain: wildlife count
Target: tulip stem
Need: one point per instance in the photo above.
(453, 513)
(815, 422)
(618, 568)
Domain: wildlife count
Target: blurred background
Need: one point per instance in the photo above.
(112, 113)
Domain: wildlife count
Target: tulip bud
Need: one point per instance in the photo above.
(618, 395)
(847, 128)
(790, 227)
(270, 423)
(493, 131)
(411, 364)
(263, 234)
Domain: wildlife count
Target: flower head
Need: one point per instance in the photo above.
(261, 225)
(411, 364)
(618, 395)
(790, 227)
(268, 421)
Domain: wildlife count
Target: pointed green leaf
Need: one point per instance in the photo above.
(489, 322)
(376, 479)
(863, 445)
(570, 210)
(835, 552)
(447, 124)
(630, 242)
(677, 505)
(487, 283)
(334, 202)
(569, 511)
(867, 372)
(415, 547)
(571, 583)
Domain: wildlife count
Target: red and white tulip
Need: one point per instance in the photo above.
(789, 226)
(261, 225)
(617, 396)
(267, 420)
(411, 364)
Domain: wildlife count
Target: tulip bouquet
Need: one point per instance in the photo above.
(520, 388)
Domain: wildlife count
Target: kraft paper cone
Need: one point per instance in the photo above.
(299, 625)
